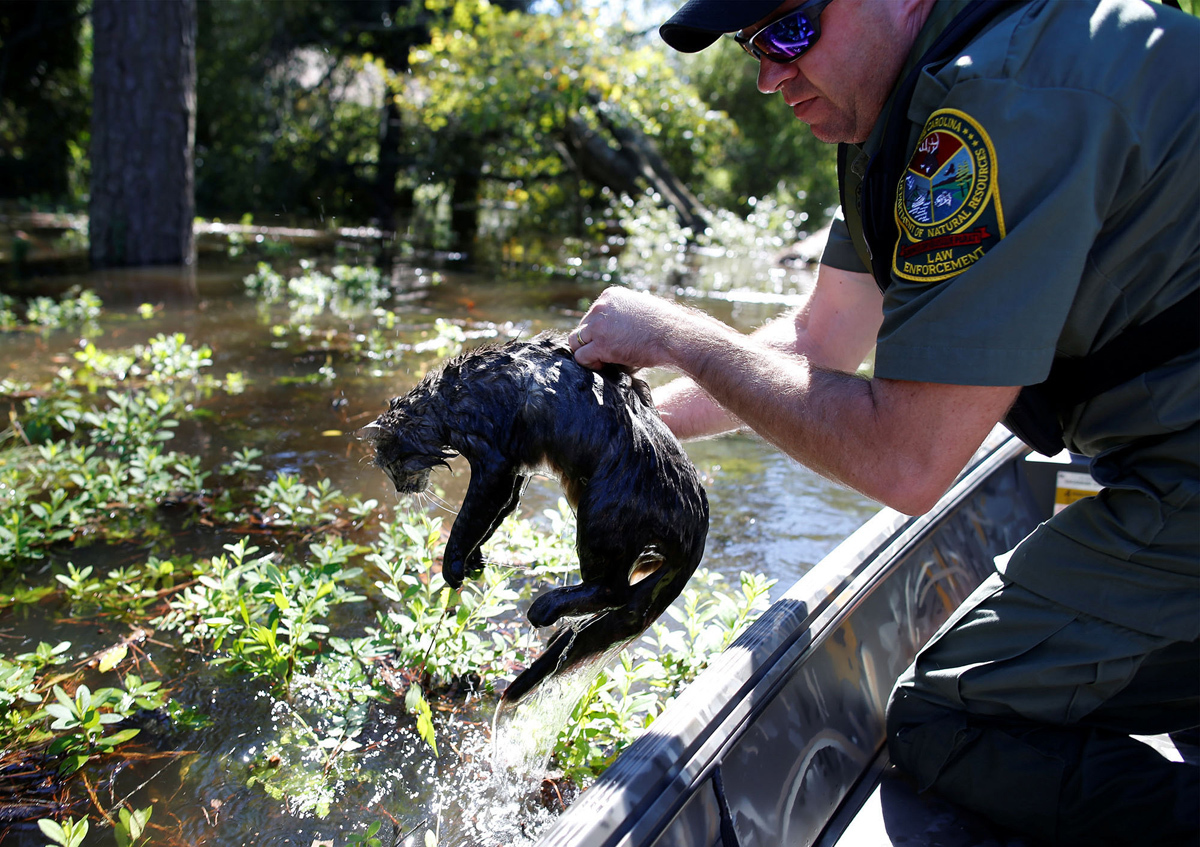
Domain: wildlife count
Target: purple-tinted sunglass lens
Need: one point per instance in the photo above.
(786, 39)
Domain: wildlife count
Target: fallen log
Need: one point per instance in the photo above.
(626, 160)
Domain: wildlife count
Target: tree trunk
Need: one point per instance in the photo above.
(143, 128)
(464, 201)
(388, 168)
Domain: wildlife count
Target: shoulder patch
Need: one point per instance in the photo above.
(948, 201)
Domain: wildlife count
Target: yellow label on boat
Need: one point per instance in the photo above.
(1072, 486)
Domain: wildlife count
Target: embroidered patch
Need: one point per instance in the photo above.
(948, 202)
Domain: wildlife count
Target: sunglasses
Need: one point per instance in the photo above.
(788, 38)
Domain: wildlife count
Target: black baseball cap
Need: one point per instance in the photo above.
(699, 23)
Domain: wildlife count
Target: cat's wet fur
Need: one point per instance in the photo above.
(525, 406)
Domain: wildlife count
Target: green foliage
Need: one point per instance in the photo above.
(74, 308)
(288, 104)
(8, 314)
(416, 703)
(130, 826)
(367, 839)
(625, 699)
(268, 618)
(288, 501)
(348, 291)
(70, 833)
(73, 462)
(494, 90)
(82, 722)
(164, 360)
(342, 312)
(444, 633)
(478, 98)
(127, 592)
(658, 251)
(45, 67)
(83, 725)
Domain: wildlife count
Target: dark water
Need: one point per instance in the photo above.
(768, 515)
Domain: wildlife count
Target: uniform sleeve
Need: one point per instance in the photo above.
(839, 249)
(998, 209)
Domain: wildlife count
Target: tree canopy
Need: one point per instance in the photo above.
(454, 112)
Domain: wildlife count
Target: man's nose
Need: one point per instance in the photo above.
(771, 75)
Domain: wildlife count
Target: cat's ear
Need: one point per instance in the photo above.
(372, 432)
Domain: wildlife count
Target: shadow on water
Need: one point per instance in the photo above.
(239, 784)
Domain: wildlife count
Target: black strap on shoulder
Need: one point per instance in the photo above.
(887, 165)
(1171, 333)
(1036, 417)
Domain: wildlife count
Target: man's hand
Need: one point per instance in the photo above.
(633, 329)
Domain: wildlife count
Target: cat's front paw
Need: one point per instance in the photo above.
(454, 571)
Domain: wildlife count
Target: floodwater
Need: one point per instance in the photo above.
(768, 515)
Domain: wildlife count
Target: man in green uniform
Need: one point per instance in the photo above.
(1039, 201)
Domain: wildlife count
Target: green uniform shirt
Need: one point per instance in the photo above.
(1051, 200)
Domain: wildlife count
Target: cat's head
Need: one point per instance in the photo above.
(409, 442)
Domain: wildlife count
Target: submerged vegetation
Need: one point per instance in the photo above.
(187, 577)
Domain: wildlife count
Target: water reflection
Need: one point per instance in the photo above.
(768, 514)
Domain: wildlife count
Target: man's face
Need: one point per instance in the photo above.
(840, 85)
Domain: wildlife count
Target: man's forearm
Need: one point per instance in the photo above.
(896, 442)
(690, 411)
(815, 416)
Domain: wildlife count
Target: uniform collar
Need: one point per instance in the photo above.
(940, 16)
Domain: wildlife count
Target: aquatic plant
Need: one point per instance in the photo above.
(85, 458)
(164, 359)
(8, 314)
(69, 833)
(77, 306)
(130, 826)
(444, 634)
(344, 315)
(85, 724)
(626, 698)
(267, 617)
(347, 290)
(658, 253)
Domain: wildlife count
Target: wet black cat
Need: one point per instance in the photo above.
(642, 515)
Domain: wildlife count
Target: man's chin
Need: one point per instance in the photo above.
(825, 127)
(834, 133)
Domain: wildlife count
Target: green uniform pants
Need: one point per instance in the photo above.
(1021, 709)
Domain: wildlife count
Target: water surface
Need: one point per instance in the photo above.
(768, 515)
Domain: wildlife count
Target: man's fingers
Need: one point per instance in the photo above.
(586, 356)
(577, 337)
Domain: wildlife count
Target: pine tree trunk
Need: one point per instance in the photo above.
(143, 127)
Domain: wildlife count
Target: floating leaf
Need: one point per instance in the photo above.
(415, 701)
(113, 656)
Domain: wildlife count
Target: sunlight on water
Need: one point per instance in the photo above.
(523, 736)
(500, 795)
(480, 806)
